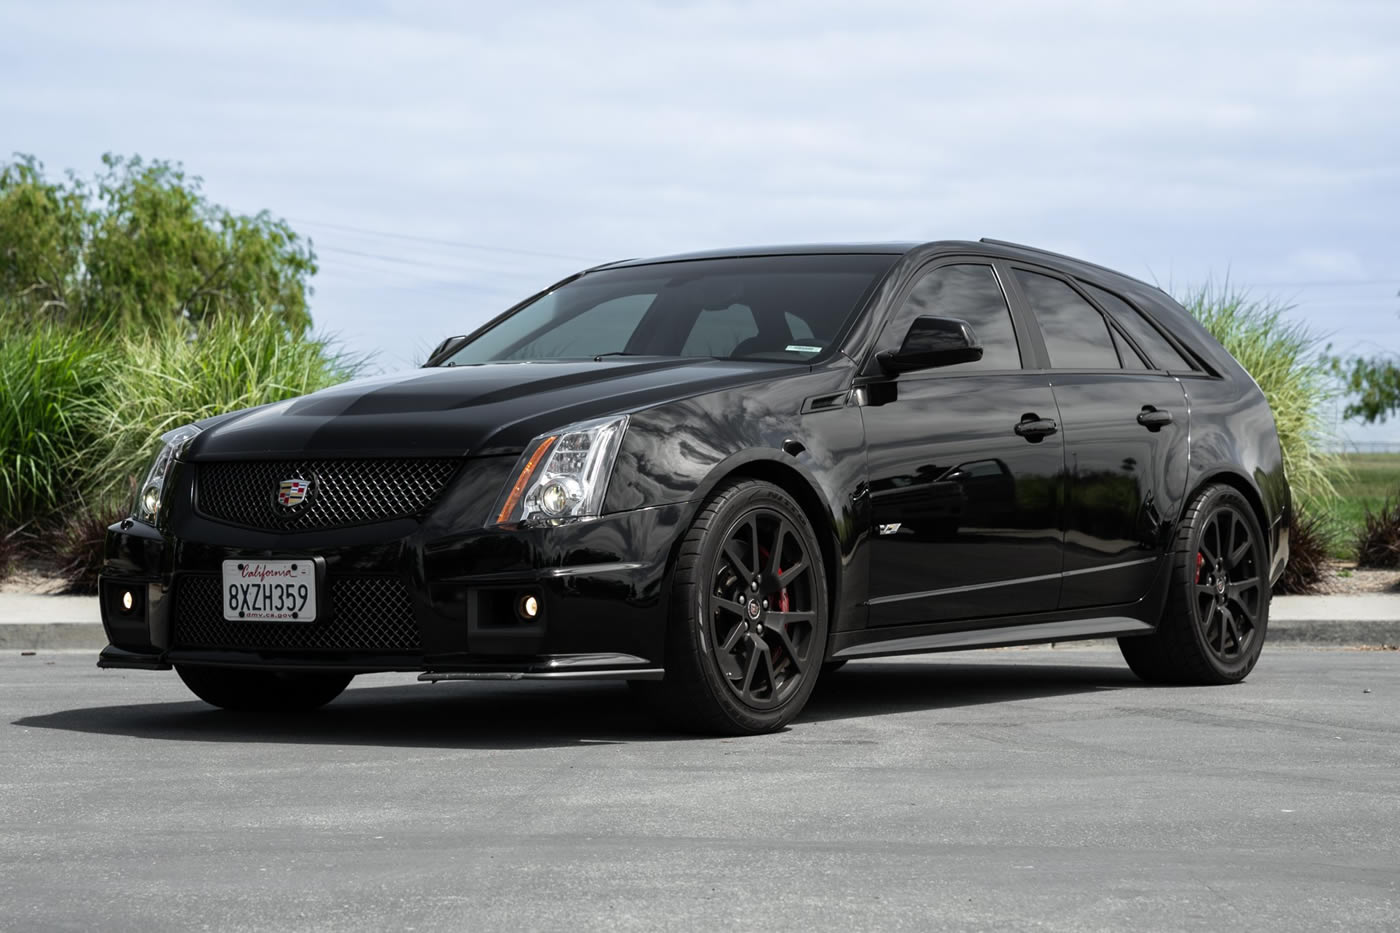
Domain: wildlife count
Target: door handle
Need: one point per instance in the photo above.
(1035, 428)
(1154, 419)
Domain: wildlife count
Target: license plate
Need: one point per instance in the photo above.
(269, 590)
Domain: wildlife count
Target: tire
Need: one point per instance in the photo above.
(735, 666)
(1217, 613)
(253, 691)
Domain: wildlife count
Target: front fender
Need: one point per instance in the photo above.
(798, 431)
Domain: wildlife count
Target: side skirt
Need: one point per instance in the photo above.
(999, 637)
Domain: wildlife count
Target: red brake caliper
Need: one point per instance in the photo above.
(1200, 559)
(782, 602)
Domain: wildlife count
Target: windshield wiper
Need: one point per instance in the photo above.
(599, 357)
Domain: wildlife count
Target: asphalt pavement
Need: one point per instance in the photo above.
(1037, 789)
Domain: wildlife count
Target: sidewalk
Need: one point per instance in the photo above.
(33, 622)
(30, 622)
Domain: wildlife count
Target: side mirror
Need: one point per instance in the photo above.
(932, 341)
(447, 347)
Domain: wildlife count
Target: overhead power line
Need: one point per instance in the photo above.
(1326, 283)
(461, 244)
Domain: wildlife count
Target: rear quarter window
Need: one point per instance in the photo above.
(1164, 355)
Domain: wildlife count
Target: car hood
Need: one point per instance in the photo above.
(481, 410)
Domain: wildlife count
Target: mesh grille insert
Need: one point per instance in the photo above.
(358, 614)
(341, 492)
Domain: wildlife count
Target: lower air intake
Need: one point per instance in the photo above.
(361, 614)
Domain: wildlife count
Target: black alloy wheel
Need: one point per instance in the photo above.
(760, 609)
(1229, 583)
(749, 615)
(1217, 609)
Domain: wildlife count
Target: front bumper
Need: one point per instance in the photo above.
(601, 586)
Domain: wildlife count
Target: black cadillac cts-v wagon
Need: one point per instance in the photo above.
(721, 476)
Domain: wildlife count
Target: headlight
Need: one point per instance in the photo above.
(562, 476)
(151, 495)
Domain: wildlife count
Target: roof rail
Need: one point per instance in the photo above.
(1082, 262)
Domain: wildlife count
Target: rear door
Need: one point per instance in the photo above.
(1125, 433)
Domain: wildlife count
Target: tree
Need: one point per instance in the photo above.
(140, 246)
(1373, 383)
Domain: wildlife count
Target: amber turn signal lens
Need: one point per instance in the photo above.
(523, 480)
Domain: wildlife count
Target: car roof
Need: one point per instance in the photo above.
(790, 249)
(985, 245)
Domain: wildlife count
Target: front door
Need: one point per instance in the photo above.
(966, 467)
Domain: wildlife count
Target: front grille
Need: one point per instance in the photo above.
(341, 492)
(357, 614)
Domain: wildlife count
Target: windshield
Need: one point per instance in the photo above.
(755, 307)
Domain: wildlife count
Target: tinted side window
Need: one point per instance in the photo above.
(970, 293)
(1163, 354)
(1076, 335)
(1130, 357)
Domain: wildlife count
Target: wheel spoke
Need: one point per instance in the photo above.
(785, 641)
(746, 686)
(726, 605)
(1242, 613)
(1208, 552)
(782, 578)
(1234, 633)
(775, 553)
(766, 654)
(1239, 553)
(787, 574)
(731, 640)
(1236, 587)
(753, 544)
(790, 618)
(740, 565)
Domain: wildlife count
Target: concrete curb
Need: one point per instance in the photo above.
(1368, 632)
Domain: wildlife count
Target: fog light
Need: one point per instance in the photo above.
(128, 600)
(529, 607)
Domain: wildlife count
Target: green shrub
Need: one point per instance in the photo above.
(1378, 541)
(1285, 358)
(9, 550)
(48, 377)
(1310, 542)
(172, 377)
(77, 545)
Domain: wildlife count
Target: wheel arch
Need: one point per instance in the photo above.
(1242, 484)
(788, 477)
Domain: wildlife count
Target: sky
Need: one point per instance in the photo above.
(448, 159)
